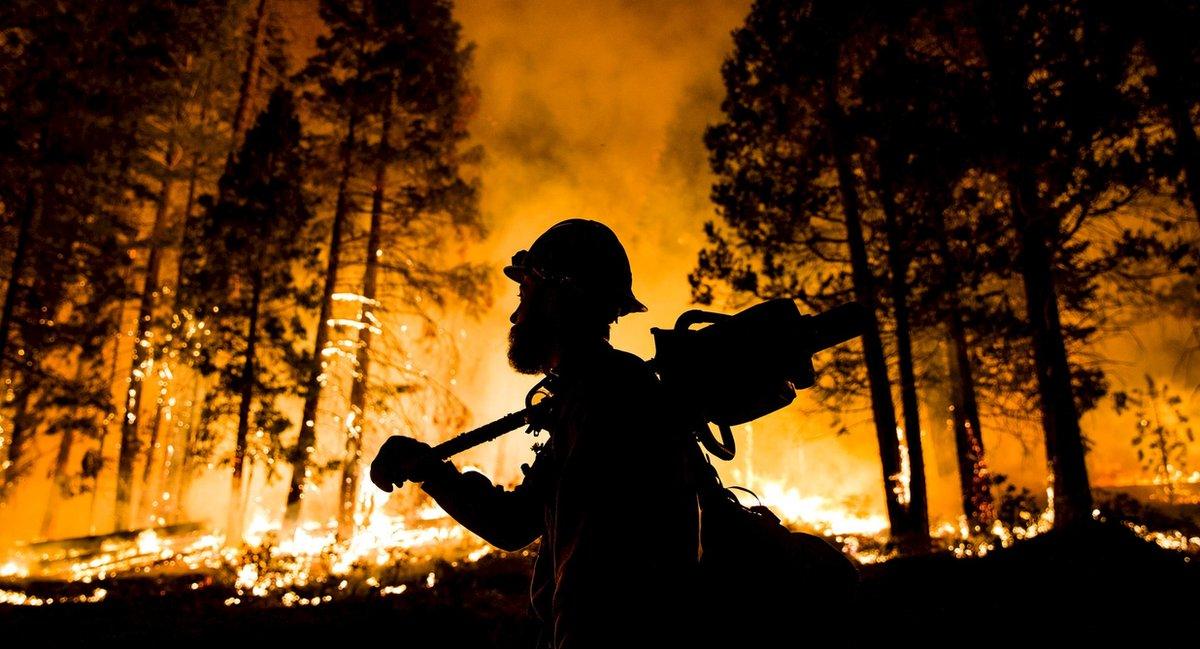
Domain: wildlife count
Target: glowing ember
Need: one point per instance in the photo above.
(21, 599)
(13, 569)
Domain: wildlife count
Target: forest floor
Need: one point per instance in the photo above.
(1101, 582)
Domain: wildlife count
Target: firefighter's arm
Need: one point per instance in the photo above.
(509, 520)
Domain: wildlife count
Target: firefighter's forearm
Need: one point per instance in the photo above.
(509, 520)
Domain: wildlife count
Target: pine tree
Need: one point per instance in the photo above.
(80, 81)
(790, 195)
(920, 133)
(391, 78)
(176, 137)
(1055, 86)
(335, 83)
(253, 273)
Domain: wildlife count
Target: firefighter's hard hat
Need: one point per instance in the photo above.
(584, 253)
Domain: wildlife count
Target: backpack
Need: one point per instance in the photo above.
(762, 582)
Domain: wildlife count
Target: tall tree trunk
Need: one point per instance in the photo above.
(968, 434)
(1060, 417)
(241, 113)
(233, 535)
(882, 407)
(10, 470)
(149, 494)
(104, 433)
(1038, 229)
(58, 471)
(307, 436)
(25, 218)
(195, 430)
(348, 488)
(898, 268)
(142, 353)
(12, 446)
(163, 486)
(171, 475)
(186, 222)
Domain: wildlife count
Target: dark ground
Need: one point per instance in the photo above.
(1101, 583)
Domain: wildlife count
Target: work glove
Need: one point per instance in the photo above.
(403, 459)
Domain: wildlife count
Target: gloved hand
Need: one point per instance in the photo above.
(402, 459)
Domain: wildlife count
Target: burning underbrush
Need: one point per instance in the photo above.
(423, 579)
(388, 555)
(396, 556)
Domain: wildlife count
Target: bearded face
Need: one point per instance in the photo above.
(531, 346)
(550, 321)
(534, 337)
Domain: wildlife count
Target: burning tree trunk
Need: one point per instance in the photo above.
(356, 420)
(968, 434)
(1038, 227)
(105, 431)
(898, 268)
(233, 532)
(308, 418)
(195, 433)
(141, 360)
(882, 407)
(146, 501)
(163, 400)
(173, 477)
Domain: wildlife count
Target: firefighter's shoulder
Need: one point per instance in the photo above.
(622, 371)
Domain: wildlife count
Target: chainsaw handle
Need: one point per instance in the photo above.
(724, 449)
(697, 316)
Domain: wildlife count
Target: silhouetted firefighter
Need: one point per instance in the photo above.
(618, 491)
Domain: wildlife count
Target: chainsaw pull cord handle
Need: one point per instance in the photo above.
(726, 448)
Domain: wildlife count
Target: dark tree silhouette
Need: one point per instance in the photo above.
(253, 271)
(390, 82)
(790, 189)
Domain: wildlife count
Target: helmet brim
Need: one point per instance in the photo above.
(515, 273)
(632, 305)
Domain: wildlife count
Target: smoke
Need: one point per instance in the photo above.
(598, 110)
(592, 110)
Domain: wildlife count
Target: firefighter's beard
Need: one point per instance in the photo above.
(532, 345)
